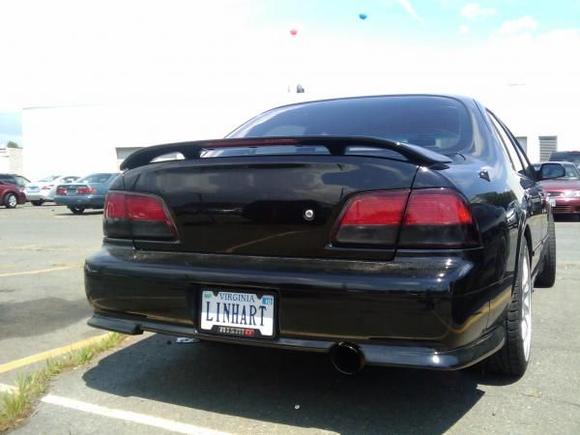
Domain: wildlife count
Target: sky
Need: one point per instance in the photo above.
(10, 128)
(79, 52)
(181, 52)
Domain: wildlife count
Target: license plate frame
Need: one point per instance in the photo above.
(243, 331)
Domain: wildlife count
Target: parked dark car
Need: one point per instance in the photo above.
(87, 193)
(566, 156)
(11, 195)
(563, 192)
(390, 230)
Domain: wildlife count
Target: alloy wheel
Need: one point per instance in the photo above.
(12, 201)
(526, 321)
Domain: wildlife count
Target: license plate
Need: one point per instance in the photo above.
(242, 314)
(552, 202)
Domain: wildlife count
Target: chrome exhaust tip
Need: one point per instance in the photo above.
(347, 358)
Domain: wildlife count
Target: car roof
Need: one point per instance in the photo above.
(462, 98)
(560, 162)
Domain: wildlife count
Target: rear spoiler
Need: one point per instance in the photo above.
(336, 145)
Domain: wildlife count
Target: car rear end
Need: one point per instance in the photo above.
(88, 192)
(34, 192)
(311, 243)
(79, 195)
(39, 191)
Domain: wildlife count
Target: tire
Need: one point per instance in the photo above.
(10, 200)
(77, 210)
(547, 277)
(513, 358)
(37, 203)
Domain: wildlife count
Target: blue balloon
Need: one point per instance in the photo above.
(362, 16)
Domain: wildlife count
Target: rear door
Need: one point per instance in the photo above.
(534, 194)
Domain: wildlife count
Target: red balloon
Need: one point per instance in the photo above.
(293, 32)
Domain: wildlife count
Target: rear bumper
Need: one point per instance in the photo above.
(38, 196)
(566, 206)
(86, 201)
(410, 355)
(412, 311)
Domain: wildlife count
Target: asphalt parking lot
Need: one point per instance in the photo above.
(152, 384)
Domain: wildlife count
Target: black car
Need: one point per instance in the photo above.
(566, 156)
(399, 230)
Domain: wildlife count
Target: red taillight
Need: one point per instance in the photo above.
(115, 207)
(145, 208)
(86, 190)
(61, 191)
(438, 218)
(425, 218)
(375, 208)
(139, 216)
(437, 207)
(372, 218)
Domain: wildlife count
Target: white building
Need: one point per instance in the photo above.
(11, 160)
(93, 138)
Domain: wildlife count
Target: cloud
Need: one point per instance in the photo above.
(464, 29)
(474, 11)
(406, 4)
(518, 26)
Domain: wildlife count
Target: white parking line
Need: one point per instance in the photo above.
(34, 272)
(148, 420)
(119, 414)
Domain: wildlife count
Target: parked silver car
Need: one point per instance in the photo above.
(44, 189)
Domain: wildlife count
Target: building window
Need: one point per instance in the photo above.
(124, 152)
(548, 145)
(523, 141)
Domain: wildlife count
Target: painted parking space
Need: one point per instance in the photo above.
(46, 355)
(42, 300)
(153, 384)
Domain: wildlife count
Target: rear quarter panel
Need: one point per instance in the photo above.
(497, 197)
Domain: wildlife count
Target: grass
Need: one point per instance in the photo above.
(16, 405)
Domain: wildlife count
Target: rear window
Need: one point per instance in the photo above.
(438, 123)
(48, 179)
(96, 178)
(292, 149)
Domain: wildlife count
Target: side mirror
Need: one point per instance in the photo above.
(549, 171)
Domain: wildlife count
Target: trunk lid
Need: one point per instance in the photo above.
(72, 189)
(284, 205)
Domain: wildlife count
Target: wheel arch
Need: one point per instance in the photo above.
(528, 237)
(6, 193)
(526, 234)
